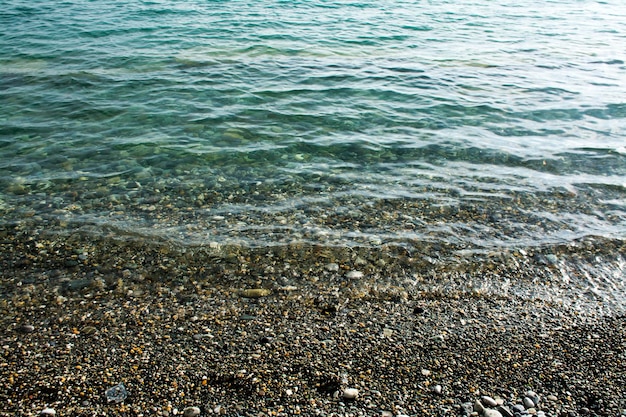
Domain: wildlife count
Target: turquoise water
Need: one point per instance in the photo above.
(473, 124)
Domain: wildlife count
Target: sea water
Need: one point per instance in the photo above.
(475, 125)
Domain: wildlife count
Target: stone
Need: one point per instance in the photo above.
(534, 397)
(489, 412)
(488, 401)
(332, 267)
(505, 411)
(350, 393)
(528, 403)
(48, 412)
(26, 328)
(116, 394)
(191, 412)
(354, 275)
(255, 293)
(552, 398)
(478, 407)
(519, 409)
(437, 389)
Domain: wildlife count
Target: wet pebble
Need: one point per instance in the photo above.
(332, 267)
(255, 293)
(354, 275)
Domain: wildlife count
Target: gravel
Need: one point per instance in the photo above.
(182, 337)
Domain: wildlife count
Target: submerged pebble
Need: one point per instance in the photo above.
(255, 293)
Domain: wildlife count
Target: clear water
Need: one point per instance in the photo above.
(475, 124)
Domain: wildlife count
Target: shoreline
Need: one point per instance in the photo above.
(74, 327)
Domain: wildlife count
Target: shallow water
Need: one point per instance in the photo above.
(475, 125)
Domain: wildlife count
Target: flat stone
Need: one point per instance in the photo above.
(478, 407)
(354, 275)
(488, 401)
(489, 412)
(552, 398)
(48, 412)
(519, 409)
(505, 411)
(332, 267)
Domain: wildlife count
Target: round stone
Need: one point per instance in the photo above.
(528, 403)
(534, 397)
(191, 412)
(350, 393)
(48, 412)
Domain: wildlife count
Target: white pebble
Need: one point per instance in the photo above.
(354, 275)
(350, 393)
(332, 267)
(48, 412)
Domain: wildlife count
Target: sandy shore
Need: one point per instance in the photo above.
(265, 342)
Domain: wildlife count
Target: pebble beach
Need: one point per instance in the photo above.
(109, 328)
(330, 208)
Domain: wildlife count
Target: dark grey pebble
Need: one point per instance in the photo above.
(26, 328)
(478, 407)
(505, 411)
